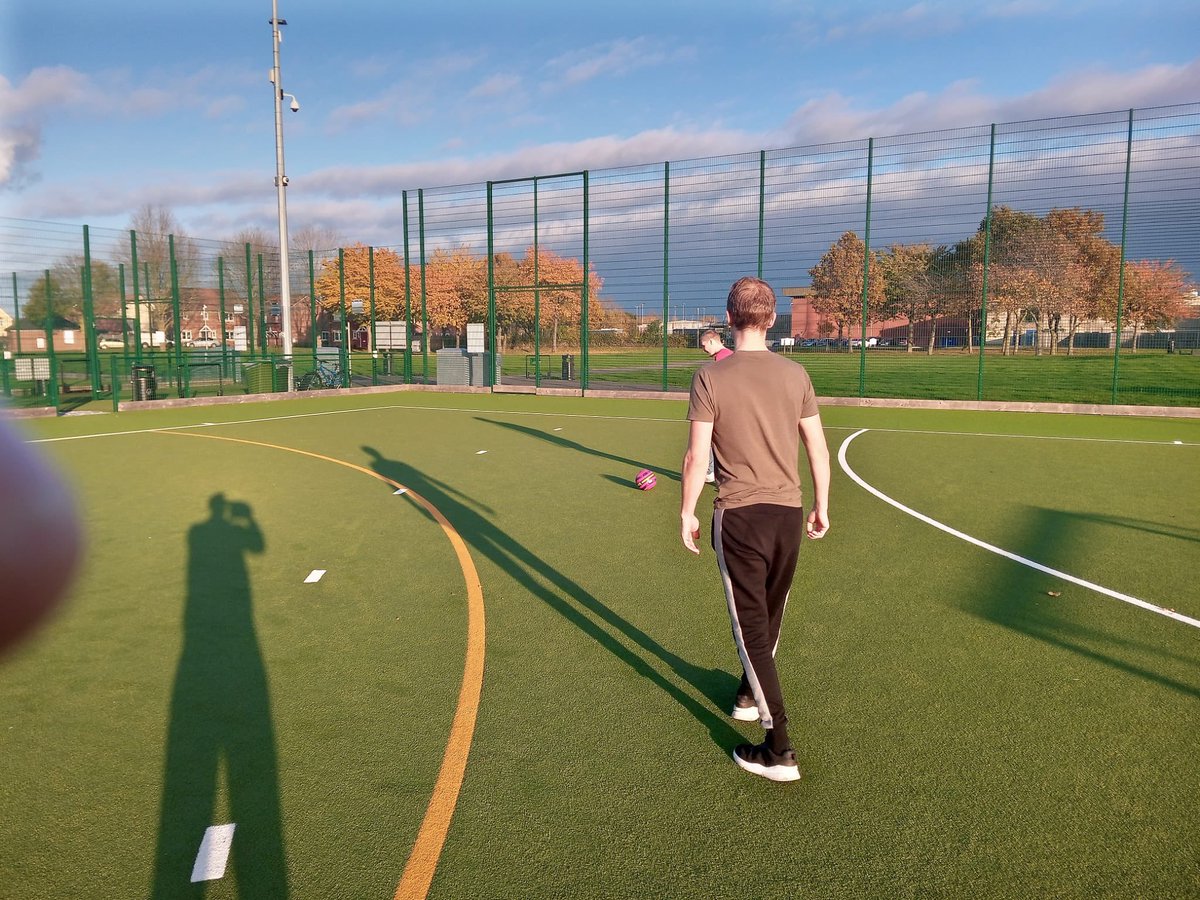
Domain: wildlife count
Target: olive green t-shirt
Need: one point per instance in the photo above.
(755, 401)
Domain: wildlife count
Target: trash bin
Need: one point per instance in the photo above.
(568, 367)
(283, 376)
(145, 385)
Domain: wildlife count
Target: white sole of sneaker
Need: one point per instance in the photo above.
(772, 773)
(745, 713)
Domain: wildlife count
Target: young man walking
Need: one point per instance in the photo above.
(753, 410)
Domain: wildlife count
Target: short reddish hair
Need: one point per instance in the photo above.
(751, 304)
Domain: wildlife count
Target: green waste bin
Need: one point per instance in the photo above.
(258, 378)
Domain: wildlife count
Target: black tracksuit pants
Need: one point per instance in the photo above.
(757, 548)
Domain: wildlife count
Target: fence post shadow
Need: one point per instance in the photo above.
(1022, 604)
(572, 601)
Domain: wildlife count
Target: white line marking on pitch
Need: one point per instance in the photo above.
(480, 452)
(314, 576)
(1116, 595)
(561, 415)
(214, 853)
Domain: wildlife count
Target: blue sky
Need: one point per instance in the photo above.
(107, 106)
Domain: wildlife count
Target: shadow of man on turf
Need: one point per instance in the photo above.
(221, 719)
(571, 600)
(1023, 603)
(568, 444)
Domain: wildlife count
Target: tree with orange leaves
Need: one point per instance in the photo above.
(356, 262)
(1155, 294)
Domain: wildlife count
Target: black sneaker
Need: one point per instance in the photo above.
(744, 709)
(760, 759)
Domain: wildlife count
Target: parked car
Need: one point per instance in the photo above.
(111, 342)
(203, 343)
(858, 342)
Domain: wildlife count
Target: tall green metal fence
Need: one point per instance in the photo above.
(1050, 260)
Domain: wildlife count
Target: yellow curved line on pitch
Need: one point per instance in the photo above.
(418, 873)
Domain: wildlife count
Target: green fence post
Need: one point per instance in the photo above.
(137, 301)
(221, 297)
(114, 374)
(249, 300)
(175, 302)
(262, 309)
(862, 347)
(489, 375)
(666, 265)
(16, 312)
(537, 297)
(371, 296)
(585, 323)
(124, 316)
(407, 295)
(344, 356)
(762, 203)
(312, 303)
(52, 383)
(149, 307)
(987, 260)
(424, 311)
(1121, 275)
(91, 344)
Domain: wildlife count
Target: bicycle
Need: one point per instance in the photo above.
(325, 375)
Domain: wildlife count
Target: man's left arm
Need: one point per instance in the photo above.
(695, 466)
(812, 433)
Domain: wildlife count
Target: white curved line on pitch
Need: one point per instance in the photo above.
(1116, 595)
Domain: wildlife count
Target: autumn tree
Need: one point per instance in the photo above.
(1155, 295)
(561, 306)
(1021, 268)
(1088, 271)
(456, 289)
(909, 288)
(837, 281)
(356, 265)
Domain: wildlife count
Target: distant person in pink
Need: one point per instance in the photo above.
(711, 343)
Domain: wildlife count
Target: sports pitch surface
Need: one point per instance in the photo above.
(967, 724)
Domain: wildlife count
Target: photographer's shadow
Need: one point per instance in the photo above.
(221, 715)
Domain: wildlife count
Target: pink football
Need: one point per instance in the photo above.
(645, 480)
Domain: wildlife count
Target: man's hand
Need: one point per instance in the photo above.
(690, 531)
(817, 523)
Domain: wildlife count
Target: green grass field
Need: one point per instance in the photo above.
(967, 726)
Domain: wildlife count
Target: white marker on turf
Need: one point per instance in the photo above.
(1007, 554)
(401, 491)
(214, 853)
(480, 452)
(314, 576)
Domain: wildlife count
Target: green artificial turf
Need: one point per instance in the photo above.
(962, 732)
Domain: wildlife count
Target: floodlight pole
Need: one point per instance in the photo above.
(281, 182)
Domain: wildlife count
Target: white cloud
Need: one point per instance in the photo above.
(612, 59)
(498, 85)
(224, 106)
(834, 117)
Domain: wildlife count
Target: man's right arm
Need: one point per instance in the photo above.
(812, 433)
